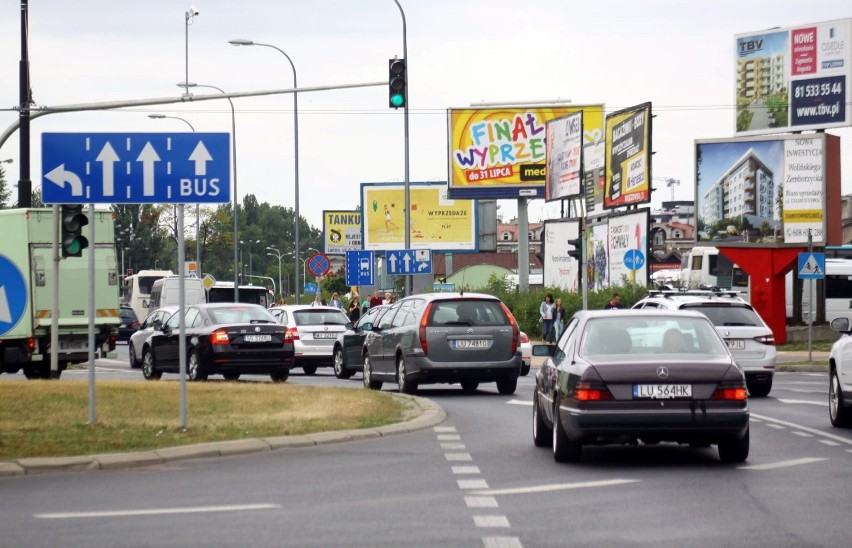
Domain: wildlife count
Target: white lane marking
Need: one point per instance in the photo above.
(802, 390)
(448, 437)
(782, 464)
(519, 402)
(445, 429)
(481, 502)
(472, 484)
(555, 487)
(491, 521)
(830, 443)
(158, 511)
(465, 469)
(777, 426)
(457, 456)
(502, 542)
(803, 434)
(452, 445)
(806, 429)
(805, 402)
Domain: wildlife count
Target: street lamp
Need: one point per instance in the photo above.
(188, 85)
(244, 42)
(278, 254)
(158, 116)
(250, 243)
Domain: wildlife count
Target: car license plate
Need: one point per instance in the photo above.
(662, 391)
(74, 344)
(469, 343)
(325, 335)
(736, 344)
(257, 338)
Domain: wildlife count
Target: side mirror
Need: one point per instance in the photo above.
(840, 324)
(157, 325)
(368, 326)
(543, 349)
(349, 326)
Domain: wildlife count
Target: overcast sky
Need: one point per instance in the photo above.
(677, 54)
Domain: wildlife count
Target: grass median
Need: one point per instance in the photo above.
(49, 418)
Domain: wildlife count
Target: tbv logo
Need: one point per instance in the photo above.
(750, 47)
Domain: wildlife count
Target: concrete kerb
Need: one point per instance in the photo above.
(426, 414)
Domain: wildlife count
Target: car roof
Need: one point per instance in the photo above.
(208, 306)
(637, 313)
(297, 307)
(451, 296)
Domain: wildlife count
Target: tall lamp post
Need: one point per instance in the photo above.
(277, 253)
(157, 116)
(188, 85)
(250, 243)
(244, 42)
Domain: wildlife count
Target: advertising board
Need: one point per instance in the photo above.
(628, 157)
(560, 269)
(564, 152)
(341, 231)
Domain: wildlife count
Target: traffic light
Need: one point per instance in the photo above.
(398, 94)
(577, 252)
(73, 221)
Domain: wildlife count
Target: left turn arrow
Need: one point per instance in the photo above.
(60, 176)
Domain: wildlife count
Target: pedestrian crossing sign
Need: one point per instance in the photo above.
(811, 266)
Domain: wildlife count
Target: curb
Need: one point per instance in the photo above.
(429, 414)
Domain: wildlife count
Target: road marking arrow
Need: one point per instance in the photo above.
(148, 156)
(200, 156)
(108, 157)
(60, 176)
(5, 311)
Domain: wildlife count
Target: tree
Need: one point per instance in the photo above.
(5, 191)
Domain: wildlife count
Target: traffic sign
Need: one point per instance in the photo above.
(360, 269)
(311, 289)
(811, 266)
(409, 261)
(13, 295)
(136, 168)
(634, 259)
(208, 282)
(319, 264)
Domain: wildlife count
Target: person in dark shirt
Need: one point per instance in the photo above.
(614, 302)
(376, 299)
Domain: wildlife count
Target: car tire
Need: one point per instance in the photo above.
(525, 370)
(280, 375)
(406, 385)
(340, 370)
(368, 375)
(564, 450)
(131, 352)
(759, 389)
(542, 435)
(309, 369)
(507, 386)
(194, 369)
(149, 369)
(734, 450)
(469, 386)
(231, 376)
(838, 413)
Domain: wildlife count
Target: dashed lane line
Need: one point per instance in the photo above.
(814, 431)
(555, 487)
(782, 464)
(158, 511)
(804, 402)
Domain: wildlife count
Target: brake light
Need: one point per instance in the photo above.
(516, 331)
(730, 394)
(220, 336)
(112, 339)
(524, 337)
(291, 335)
(766, 339)
(424, 321)
(587, 392)
(31, 345)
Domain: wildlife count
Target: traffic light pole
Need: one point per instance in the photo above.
(54, 305)
(91, 344)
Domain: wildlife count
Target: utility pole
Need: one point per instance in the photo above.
(25, 185)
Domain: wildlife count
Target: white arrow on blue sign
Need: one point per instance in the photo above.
(136, 168)
(409, 261)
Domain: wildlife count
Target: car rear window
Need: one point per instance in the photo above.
(326, 316)
(652, 336)
(239, 314)
(468, 312)
(727, 315)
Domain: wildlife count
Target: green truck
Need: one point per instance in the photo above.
(26, 293)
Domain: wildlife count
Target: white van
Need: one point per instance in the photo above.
(165, 292)
(705, 266)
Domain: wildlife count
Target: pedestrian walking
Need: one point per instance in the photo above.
(547, 310)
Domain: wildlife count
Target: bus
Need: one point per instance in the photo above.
(837, 287)
(223, 292)
(705, 266)
(136, 290)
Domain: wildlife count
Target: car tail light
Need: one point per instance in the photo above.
(220, 336)
(424, 321)
(766, 339)
(516, 331)
(524, 337)
(731, 393)
(291, 335)
(590, 392)
(134, 324)
(112, 339)
(31, 345)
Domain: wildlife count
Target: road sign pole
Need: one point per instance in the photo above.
(810, 297)
(91, 344)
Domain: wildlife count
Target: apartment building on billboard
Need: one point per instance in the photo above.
(760, 77)
(748, 188)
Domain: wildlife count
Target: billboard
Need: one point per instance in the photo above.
(564, 153)
(341, 231)
(438, 223)
(761, 190)
(627, 134)
(500, 152)
(793, 79)
(560, 269)
(628, 247)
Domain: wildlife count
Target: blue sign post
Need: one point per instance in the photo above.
(360, 267)
(136, 168)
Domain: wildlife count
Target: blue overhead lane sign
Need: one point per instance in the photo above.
(409, 261)
(136, 168)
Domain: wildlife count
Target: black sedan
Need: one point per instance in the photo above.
(229, 339)
(129, 323)
(635, 376)
(349, 346)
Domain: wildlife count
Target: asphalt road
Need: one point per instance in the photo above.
(474, 480)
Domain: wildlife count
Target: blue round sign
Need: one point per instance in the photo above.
(13, 295)
(634, 259)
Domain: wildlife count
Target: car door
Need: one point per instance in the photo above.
(547, 380)
(353, 342)
(165, 344)
(376, 342)
(397, 335)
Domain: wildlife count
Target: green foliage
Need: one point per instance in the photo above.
(744, 117)
(334, 283)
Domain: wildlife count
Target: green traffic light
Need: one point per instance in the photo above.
(74, 246)
(397, 100)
